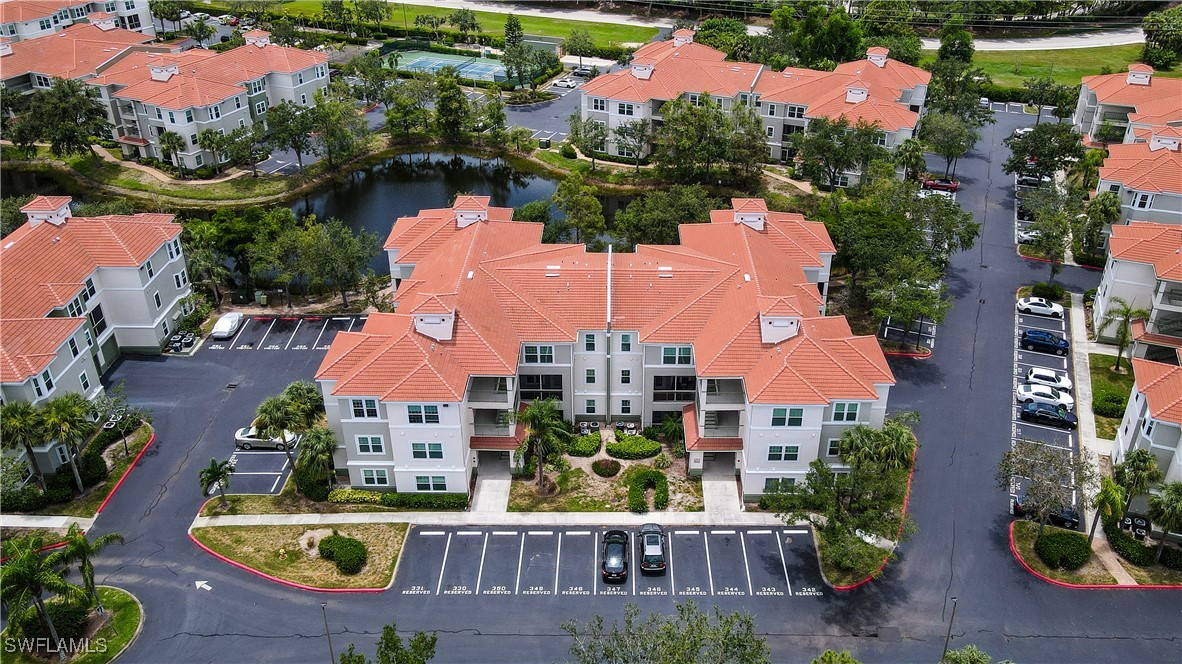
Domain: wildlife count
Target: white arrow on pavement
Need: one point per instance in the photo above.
(202, 585)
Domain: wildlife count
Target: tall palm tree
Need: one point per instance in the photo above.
(859, 445)
(305, 405)
(909, 156)
(896, 445)
(1123, 315)
(27, 575)
(173, 144)
(82, 551)
(673, 429)
(66, 419)
(1138, 472)
(22, 427)
(273, 417)
(544, 432)
(217, 473)
(316, 450)
(1108, 501)
(1165, 509)
(214, 143)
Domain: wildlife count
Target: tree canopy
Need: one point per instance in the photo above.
(653, 217)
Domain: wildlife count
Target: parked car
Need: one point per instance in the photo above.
(1045, 342)
(1040, 376)
(1028, 237)
(250, 438)
(1041, 413)
(941, 184)
(228, 19)
(984, 101)
(185, 14)
(1064, 517)
(200, 16)
(925, 193)
(1024, 213)
(226, 326)
(652, 548)
(581, 72)
(615, 556)
(1040, 306)
(566, 83)
(1032, 180)
(1034, 393)
(1022, 131)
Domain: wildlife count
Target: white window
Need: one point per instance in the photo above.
(303, 99)
(37, 387)
(834, 448)
(625, 376)
(426, 450)
(241, 123)
(374, 477)
(771, 110)
(625, 109)
(845, 412)
(85, 381)
(1114, 188)
(776, 483)
(12, 28)
(215, 112)
(151, 271)
(843, 180)
(422, 414)
(693, 99)
(1142, 200)
(45, 24)
(599, 104)
(156, 298)
(880, 139)
(624, 152)
(370, 445)
(171, 252)
(260, 108)
(783, 453)
(237, 103)
(133, 22)
(365, 408)
(41, 81)
(193, 140)
(589, 342)
(129, 5)
(198, 160)
(181, 279)
(164, 328)
(1147, 428)
(258, 86)
(771, 132)
(590, 406)
(73, 347)
(188, 115)
(794, 112)
(300, 78)
(787, 417)
(109, 7)
(625, 406)
(625, 343)
(63, 455)
(677, 355)
(171, 118)
(90, 286)
(432, 483)
(590, 376)
(539, 354)
(89, 339)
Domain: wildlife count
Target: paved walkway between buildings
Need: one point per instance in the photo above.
(43, 521)
(161, 175)
(492, 488)
(720, 492)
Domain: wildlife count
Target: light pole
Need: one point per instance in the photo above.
(947, 637)
(332, 658)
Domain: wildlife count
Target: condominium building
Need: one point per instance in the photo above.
(1147, 175)
(1144, 268)
(877, 90)
(79, 52)
(29, 19)
(76, 292)
(1153, 417)
(726, 330)
(1113, 107)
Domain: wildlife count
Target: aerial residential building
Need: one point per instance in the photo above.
(1147, 176)
(726, 330)
(29, 19)
(79, 51)
(1144, 268)
(1112, 107)
(76, 292)
(1153, 417)
(876, 90)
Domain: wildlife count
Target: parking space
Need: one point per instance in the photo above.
(564, 562)
(290, 333)
(554, 137)
(258, 471)
(922, 332)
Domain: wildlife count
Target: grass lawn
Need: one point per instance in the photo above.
(48, 536)
(1156, 575)
(125, 617)
(1100, 367)
(869, 554)
(259, 547)
(1066, 66)
(286, 502)
(86, 504)
(1025, 532)
(573, 495)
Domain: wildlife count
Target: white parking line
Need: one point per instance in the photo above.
(784, 564)
(322, 329)
(429, 533)
(632, 547)
(293, 334)
(595, 568)
(541, 532)
(686, 532)
(352, 321)
(446, 548)
(709, 570)
(520, 556)
(722, 532)
(1031, 326)
(1041, 426)
(672, 584)
(578, 532)
(557, 564)
(242, 452)
(241, 329)
(759, 532)
(480, 572)
(796, 532)
(269, 327)
(504, 532)
(260, 473)
(470, 532)
(746, 565)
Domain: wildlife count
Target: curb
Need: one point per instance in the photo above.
(48, 547)
(103, 505)
(290, 584)
(138, 628)
(917, 356)
(1079, 586)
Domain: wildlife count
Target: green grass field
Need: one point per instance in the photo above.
(1066, 66)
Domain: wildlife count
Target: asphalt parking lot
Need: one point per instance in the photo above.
(259, 471)
(562, 563)
(298, 333)
(921, 332)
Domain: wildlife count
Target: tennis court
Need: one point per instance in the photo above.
(475, 67)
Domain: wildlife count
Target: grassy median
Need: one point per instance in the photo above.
(1093, 572)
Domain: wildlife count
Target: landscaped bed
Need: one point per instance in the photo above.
(119, 459)
(1109, 385)
(291, 552)
(1092, 572)
(124, 615)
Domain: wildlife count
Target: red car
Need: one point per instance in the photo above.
(941, 184)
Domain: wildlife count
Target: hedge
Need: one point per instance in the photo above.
(1109, 403)
(585, 446)
(28, 498)
(1171, 557)
(1049, 291)
(423, 501)
(640, 482)
(312, 483)
(630, 446)
(349, 554)
(606, 467)
(1003, 93)
(69, 619)
(1126, 546)
(355, 496)
(1063, 549)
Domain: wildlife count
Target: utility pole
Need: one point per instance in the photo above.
(332, 658)
(948, 636)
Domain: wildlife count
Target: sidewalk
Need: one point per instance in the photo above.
(473, 518)
(720, 492)
(491, 494)
(43, 521)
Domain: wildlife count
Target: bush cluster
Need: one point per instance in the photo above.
(640, 482)
(1049, 291)
(1063, 549)
(585, 446)
(1107, 402)
(1171, 557)
(424, 501)
(1003, 93)
(567, 150)
(69, 619)
(1127, 546)
(349, 554)
(605, 467)
(26, 499)
(312, 483)
(92, 468)
(652, 433)
(662, 461)
(528, 469)
(628, 446)
(355, 496)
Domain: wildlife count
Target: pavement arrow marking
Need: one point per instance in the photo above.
(202, 585)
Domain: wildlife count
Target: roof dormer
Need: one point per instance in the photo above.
(1165, 141)
(54, 209)
(642, 69)
(164, 69)
(856, 92)
(439, 327)
(5, 47)
(750, 211)
(256, 37)
(683, 36)
(877, 55)
(103, 21)
(470, 209)
(1140, 74)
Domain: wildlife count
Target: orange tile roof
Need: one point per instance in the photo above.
(696, 443)
(30, 344)
(79, 50)
(1139, 334)
(1156, 103)
(421, 234)
(20, 11)
(507, 289)
(1162, 386)
(46, 203)
(1137, 167)
(1146, 242)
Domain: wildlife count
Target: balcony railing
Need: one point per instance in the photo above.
(488, 396)
(725, 397)
(492, 430)
(1172, 297)
(721, 432)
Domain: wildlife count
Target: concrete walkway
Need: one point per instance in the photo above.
(720, 492)
(499, 519)
(162, 176)
(491, 495)
(43, 521)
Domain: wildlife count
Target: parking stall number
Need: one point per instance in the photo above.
(498, 590)
(536, 590)
(457, 590)
(416, 590)
(692, 590)
(731, 590)
(652, 590)
(809, 591)
(576, 590)
(770, 590)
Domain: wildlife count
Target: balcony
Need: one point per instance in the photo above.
(489, 390)
(127, 111)
(724, 424)
(1171, 297)
(491, 430)
(723, 392)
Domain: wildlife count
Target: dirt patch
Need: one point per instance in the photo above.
(310, 541)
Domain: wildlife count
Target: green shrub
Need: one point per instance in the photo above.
(629, 446)
(104, 439)
(1049, 291)
(1003, 93)
(201, 310)
(26, 499)
(585, 446)
(312, 483)
(662, 461)
(69, 619)
(652, 433)
(639, 482)
(59, 495)
(1089, 296)
(1171, 557)
(349, 554)
(1063, 549)
(92, 468)
(528, 469)
(355, 496)
(62, 479)
(567, 150)
(605, 467)
(1161, 59)
(1126, 546)
(425, 501)
(557, 464)
(1108, 402)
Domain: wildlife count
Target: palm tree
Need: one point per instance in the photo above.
(27, 575)
(305, 405)
(1165, 509)
(22, 427)
(66, 419)
(214, 143)
(673, 429)
(217, 473)
(544, 429)
(1123, 315)
(82, 551)
(273, 418)
(909, 156)
(1108, 501)
(859, 445)
(172, 144)
(1138, 472)
(896, 445)
(316, 450)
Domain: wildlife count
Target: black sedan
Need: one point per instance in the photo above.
(1055, 416)
(1064, 517)
(615, 556)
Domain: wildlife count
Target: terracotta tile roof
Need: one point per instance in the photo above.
(30, 344)
(1137, 167)
(1139, 334)
(1156, 103)
(1148, 242)
(46, 203)
(696, 443)
(1141, 67)
(684, 32)
(19, 11)
(416, 237)
(79, 50)
(1162, 386)
(674, 75)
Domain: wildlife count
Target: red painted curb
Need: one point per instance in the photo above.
(43, 549)
(1079, 586)
(291, 584)
(898, 534)
(102, 506)
(1033, 258)
(918, 356)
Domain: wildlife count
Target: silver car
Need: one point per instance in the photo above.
(1048, 377)
(1044, 394)
(249, 438)
(226, 326)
